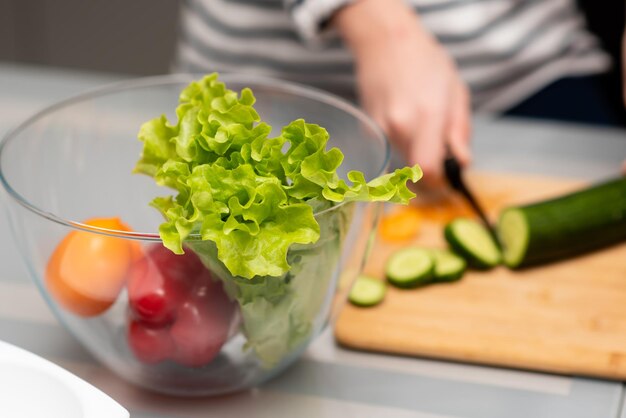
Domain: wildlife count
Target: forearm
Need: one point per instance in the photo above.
(368, 23)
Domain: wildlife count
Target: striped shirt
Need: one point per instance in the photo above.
(506, 50)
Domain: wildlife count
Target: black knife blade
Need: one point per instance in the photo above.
(454, 174)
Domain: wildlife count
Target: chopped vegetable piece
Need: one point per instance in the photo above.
(87, 270)
(472, 240)
(402, 224)
(410, 267)
(367, 291)
(443, 210)
(513, 231)
(585, 220)
(449, 267)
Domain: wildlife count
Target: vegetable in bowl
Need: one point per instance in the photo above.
(253, 208)
(186, 325)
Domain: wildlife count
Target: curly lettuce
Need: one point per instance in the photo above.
(251, 195)
(252, 199)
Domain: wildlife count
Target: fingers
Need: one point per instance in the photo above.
(459, 124)
(439, 127)
(423, 135)
(422, 132)
(428, 146)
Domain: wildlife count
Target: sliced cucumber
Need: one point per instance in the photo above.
(513, 233)
(586, 220)
(410, 267)
(449, 267)
(472, 241)
(367, 291)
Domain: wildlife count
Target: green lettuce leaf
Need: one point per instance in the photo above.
(245, 203)
(280, 313)
(242, 190)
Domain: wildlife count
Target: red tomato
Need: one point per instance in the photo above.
(201, 328)
(159, 282)
(174, 299)
(150, 344)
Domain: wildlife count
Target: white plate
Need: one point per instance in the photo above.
(32, 387)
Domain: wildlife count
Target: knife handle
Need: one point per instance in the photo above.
(452, 170)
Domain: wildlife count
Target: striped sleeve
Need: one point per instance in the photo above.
(311, 17)
(506, 50)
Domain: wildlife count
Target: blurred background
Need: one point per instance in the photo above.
(139, 36)
(122, 36)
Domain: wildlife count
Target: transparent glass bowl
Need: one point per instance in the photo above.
(171, 323)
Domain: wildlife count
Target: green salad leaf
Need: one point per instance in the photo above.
(253, 196)
(279, 314)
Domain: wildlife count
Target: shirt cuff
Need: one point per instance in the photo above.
(311, 18)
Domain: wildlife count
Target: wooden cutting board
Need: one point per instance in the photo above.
(568, 317)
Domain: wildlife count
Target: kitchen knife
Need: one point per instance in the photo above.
(454, 175)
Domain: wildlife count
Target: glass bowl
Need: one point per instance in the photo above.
(174, 324)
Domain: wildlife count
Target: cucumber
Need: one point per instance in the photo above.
(472, 241)
(566, 226)
(410, 267)
(449, 267)
(367, 291)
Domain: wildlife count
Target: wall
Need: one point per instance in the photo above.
(124, 36)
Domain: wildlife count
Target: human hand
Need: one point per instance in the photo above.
(408, 83)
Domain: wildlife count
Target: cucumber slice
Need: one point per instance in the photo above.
(566, 226)
(410, 267)
(472, 240)
(367, 291)
(513, 233)
(449, 267)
